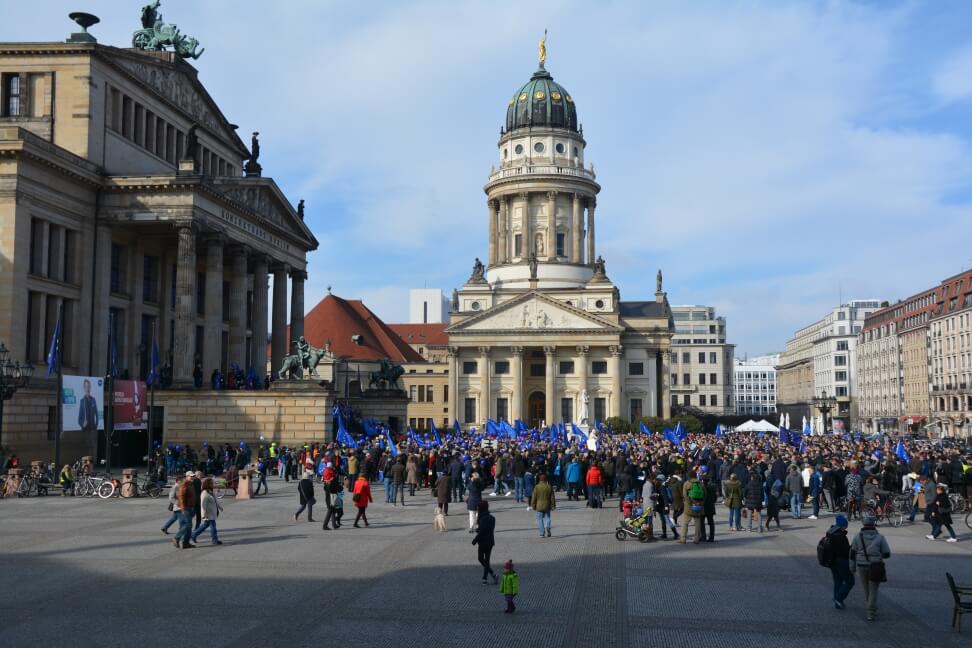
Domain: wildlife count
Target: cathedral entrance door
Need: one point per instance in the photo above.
(537, 408)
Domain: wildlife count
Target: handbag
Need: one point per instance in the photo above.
(878, 572)
(171, 507)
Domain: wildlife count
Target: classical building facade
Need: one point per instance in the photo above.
(123, 202)
(950, 357)
(820, 360)
(427, 382)
(540, 332)
(755, 385)
(701, 361)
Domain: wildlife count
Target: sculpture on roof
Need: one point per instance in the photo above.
(252, 166)
(599, 269)
(533, 267)
(300, 209)
(192, 143)
(478, 269)
(543, 49)
(155, 35)
(658, 281)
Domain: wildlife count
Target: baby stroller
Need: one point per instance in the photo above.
(636, 527)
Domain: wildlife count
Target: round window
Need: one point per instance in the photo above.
(599, 303)
(560, 148)
(538, 147)
(518, 149)
(476, 305)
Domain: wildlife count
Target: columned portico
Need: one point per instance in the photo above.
(590, 231)
(237, 304)
(297, 278)
(278, 344)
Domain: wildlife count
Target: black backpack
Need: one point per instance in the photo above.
(825, 551)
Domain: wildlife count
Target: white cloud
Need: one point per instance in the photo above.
(953, 79)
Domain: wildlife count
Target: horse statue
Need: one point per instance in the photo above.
(386, 377)
(155, 35)
(306, 358)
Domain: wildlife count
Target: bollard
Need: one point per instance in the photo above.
(245, 489)
(128, 482)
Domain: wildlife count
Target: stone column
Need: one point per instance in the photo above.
(614, 370)
(576, 232)
(552, 224)
(582, 352)
(185, 308)
(454, 383)
(237, 305)
(213, 332)
(664, 388)
(493, 207)
(550, 387)
(504, 236)
(485, 409)
(297, 279)
(258, 337)
(516, 368)
(102, 295)
(591, 253)
(525, 227)
(278, 329)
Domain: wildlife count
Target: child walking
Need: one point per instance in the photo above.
(509, 586)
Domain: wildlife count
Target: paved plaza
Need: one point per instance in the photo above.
(96, 572)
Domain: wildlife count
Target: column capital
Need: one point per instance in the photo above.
(523, 194)
(591, 202)
(279, 266)
(583, 349)
(616, 350)
(190, 225)
(551, 195)
(240, 249)
(298, 275)
(215, 238)
(453, 351)
(517, 351)
(483, 351)
(549, 350)
(260, 257)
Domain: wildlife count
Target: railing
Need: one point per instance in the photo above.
(516, 171)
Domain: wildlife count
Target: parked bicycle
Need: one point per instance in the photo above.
(144, 485)
(892, 509)
(959, 503)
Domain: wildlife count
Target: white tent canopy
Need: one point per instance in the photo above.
(753, 426)
(748, 426)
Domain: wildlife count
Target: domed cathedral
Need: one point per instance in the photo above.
(539, 333)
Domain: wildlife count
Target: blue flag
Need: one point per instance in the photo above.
(644, 429)
(435, 434)
(507, 429)
(153, 375)
(53, 353)
(784, 435)
(901, 453)
(680, 432)
(806, 429)
(796, 438)
(577, 431)
(719, 432)
(670, 436)
(391, 445)
(519, 426)
(343, 437)
(803, 445)
(492, 427)
(457, 427)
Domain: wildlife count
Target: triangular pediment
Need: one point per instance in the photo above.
(262, 197)
(535, 312)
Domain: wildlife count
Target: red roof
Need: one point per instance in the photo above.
(338, 319)
(427, 334)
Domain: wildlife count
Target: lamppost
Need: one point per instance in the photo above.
(13, 376)
(825, 404)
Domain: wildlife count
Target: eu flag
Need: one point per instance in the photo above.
(153, 375)
(52, 354)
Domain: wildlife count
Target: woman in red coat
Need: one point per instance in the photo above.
(361, 498)
(594, 480)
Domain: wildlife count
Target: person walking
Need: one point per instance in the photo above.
(573, 479)
(543, 502)
(331, 487)
(485, 540)
(361, 498)
(794, 485)
(261, 479)
(174, 504)
(815, 490)
(732, 491)
(305, 492)
(709, 507)
(510, 586)
(443, 492)
(187, 508)
(196, 480)
(474, 495)
(210, 511)
(398, 479)
(940, 515)
(693, 494)
(753, 500)
(868, 552)
(840, 560)
(411, 475)
(594, 480)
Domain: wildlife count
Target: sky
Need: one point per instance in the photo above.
(771, 157)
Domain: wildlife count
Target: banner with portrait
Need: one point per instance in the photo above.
(130, 407)
(83, 403)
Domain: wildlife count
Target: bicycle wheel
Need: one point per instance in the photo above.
(153, 489)
(105, 489)
(895, 517)
(958, 503)
(968, 520)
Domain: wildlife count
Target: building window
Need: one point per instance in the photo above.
(445, 394)
(469, 367)
(712, 379)
(674, 379)
(118, 259)
(686, 357)
(701, 357)
(599, 367)
(538, 370)
(469, 405)
(840, 361)
(421, 393)
(701, 378)
(686, 399)
(11, 95)
(674, 357)
(713, 400)
(517, 244)
(566, 409)
(842, 345)
(841, 391)
(686, 379)
(150, 278)
(413, 396)
(840, 375)
(635, 409)
(561, 242)
(429, 394)
(636, 369)
(701, 400)
(566, 367)
(712, 357)
(502, 409)
(600, 406)
(502, 367)
(200, 293)
(674, 400)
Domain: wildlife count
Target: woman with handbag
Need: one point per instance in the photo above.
(361, 498)
(867, 555)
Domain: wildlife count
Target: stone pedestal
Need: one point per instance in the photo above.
(128, 482)
(245, 489)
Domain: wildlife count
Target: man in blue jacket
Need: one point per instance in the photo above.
(573, 479)
(814, 491)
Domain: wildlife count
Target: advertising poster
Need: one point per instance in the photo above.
(83, 401)
(131, 409)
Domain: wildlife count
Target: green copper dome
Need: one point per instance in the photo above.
(541, 102)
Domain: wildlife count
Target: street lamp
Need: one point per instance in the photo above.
(13, 376)
(825, 404)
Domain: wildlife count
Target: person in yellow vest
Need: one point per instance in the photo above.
(273, 450)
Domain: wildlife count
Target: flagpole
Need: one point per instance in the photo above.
(110, 400)
(59, 415)
(152, 374)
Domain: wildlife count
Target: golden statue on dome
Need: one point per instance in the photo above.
(543, 48)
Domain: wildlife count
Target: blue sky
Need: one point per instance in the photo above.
(768, 156)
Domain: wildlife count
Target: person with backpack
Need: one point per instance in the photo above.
(833, 552)
(693, 495)
(868, 552)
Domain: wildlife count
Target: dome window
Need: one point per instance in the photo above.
(575, 151)
(569, 99)
(555, 96)
(599, 303)
(476, 306)
(538, 95)
(538, 147)
(518, 149)
(560, 148)
(506, 153)
(523, 97)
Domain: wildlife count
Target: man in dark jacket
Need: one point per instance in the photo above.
(305, 492)
(455, 478)
(840, 567)
(197, 489)
(443, 492)
(709, 507)
(398, 473)
(485, 539)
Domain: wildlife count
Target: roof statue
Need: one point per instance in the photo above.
(155, 35)
(658, 281)
(192, 143)
(300, 209)
(477, 272)
(543, 48)
(252, 168)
